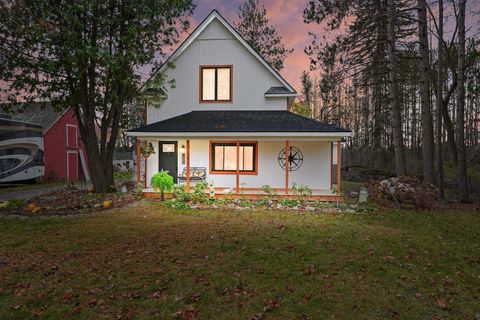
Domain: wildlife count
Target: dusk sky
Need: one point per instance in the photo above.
(287, 17)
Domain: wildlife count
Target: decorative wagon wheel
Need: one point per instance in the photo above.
(295, 159)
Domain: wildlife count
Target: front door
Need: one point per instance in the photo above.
(167, 158)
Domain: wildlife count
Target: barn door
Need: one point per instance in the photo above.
(72, 165)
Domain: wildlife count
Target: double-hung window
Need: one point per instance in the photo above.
(224, 157)
(216, 84)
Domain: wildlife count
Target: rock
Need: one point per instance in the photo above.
(350, 211)
(353, 194)
(279, 206)
(124, 189)
(309, 208)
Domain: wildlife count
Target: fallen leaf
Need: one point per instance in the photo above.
(257, 316)
(441, 303)
(309, 271)
(271, 304)
(190, 314)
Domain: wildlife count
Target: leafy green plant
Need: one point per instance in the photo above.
(260, 204)
(180, 193)
(199, 195)
(162, 182)
(11, 204)
(303, 191)
(146, 149)
(175, 204)
(290, 203)
(268, 191)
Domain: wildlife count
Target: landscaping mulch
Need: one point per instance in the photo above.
(67, 202)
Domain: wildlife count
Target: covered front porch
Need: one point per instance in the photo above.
(244, 153)
(248, 165)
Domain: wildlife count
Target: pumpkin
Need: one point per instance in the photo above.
(32, 208)
(107, 204)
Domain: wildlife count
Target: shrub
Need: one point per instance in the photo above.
(199, 195)
(180, 193)
(162, 182)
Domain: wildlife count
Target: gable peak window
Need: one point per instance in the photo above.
(216, 83)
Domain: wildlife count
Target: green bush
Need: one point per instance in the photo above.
(162, 182)
(180, 193)
(199, 195)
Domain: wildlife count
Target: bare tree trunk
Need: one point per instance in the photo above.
(461, 162)
(400, 167)
(439, 102)
(427, 137)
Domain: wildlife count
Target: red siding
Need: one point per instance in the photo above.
(55, 146)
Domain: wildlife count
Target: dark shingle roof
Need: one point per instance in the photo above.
(240, 121)
(37, 113)
(278, 90)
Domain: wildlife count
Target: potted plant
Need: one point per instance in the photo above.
(162, 182)
(146, 149)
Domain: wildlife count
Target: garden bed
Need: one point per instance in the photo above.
(295, 205)
(66, 202)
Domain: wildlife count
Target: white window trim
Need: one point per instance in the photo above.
(76, 135)
(68, 152)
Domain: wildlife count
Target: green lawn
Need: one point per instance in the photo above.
(150, 262)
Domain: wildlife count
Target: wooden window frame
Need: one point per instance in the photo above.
(234, 172)
(230, 66)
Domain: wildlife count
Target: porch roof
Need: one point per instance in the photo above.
(245, 121)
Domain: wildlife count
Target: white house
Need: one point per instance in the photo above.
(227, 121)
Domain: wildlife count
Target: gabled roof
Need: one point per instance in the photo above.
(241, 121)
(37, 113)
(211, 17)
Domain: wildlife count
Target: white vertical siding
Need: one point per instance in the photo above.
(216, 46)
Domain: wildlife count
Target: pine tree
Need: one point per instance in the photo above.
(256, 30)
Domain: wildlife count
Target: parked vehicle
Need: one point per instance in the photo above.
(21, 150)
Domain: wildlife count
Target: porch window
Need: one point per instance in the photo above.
(216, 84)
(224, 157)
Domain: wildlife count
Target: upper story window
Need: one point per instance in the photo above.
(216, 84)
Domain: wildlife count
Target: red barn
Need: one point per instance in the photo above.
(64, 152)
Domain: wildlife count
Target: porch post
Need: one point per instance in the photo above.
(237, 184)
(145, 173)
(331, 165)
(339, 164)
(138, 160)
(188, 165)
(287, 163)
